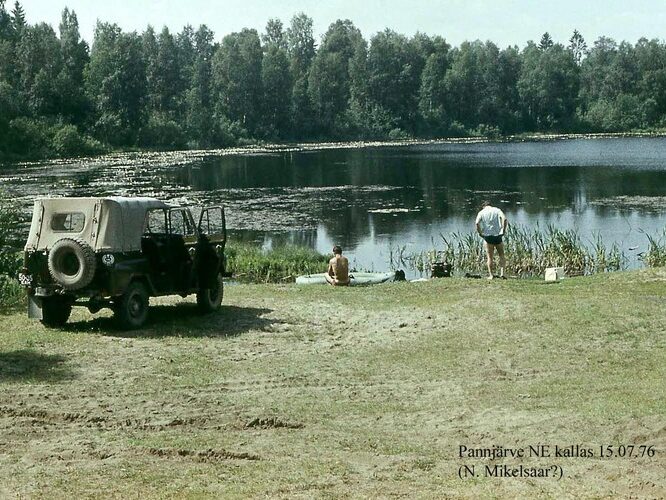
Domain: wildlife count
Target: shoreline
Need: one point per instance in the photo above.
(453, 140)
(301, 147)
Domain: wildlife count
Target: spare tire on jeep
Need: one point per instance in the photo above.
(72, 263)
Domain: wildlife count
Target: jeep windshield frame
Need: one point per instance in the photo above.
(168, 223)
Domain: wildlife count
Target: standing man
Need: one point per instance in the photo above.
(338, 268)
(491, 225)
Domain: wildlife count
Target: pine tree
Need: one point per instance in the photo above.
(18, 19)
(577, 46)
(6, 28)
(546, 41)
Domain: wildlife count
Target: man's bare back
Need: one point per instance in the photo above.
(338, 270)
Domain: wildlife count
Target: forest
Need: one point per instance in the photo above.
(162, 90)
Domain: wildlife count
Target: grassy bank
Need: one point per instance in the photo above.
(529, 251)
(250, 264)
(321, 392)
(656, 253)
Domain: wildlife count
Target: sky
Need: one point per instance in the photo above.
(505, 22)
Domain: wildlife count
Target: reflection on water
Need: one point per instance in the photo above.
(372, 200)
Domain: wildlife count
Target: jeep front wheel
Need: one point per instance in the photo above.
(131, 310)
(55, 311)
(209, 299)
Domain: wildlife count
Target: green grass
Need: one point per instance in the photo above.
(656, 253)
(11, 259)
(250, 264)
(12, 294)
(311, 391)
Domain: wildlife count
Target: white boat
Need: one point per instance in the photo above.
(355, 279)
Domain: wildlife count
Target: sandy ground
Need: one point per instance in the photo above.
(370, 392)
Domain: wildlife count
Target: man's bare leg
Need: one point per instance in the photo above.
(502, 260)
(330, 279)
(490, 252)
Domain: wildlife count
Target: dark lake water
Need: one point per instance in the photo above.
(375, 199)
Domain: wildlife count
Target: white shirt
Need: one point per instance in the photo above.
(491, 221)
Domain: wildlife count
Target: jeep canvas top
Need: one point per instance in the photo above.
(114, 224)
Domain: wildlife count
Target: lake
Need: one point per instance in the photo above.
(377, 199)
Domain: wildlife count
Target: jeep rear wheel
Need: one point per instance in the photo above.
(209, 299)
(131, 310)
(72, 263)
(55, 311)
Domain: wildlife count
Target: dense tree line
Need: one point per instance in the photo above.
(164, 90)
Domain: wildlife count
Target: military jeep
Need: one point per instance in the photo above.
(117, 252)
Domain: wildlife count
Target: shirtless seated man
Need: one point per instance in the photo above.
(338, 268)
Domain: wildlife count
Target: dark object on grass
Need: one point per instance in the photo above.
(441, 270)
(400, 275)
(470, 275)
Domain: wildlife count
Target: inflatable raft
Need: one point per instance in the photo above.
(355, 279)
